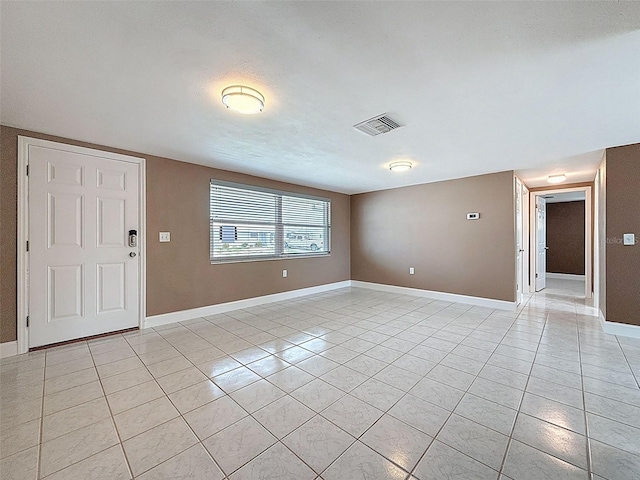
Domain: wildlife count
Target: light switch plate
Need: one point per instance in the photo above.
(411, 271)
(284, 273)
(628, 239)
(165, 236)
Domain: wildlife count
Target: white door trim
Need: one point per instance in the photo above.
(519, 246)
(523, 193)
(23, 227)
(525, 235)
(588, 238)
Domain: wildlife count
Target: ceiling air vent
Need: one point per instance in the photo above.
(377, 125)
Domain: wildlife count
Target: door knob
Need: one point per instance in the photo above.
(132, 254)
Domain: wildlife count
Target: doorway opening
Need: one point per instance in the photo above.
(561, 260)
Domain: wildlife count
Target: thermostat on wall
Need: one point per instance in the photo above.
(473, 216)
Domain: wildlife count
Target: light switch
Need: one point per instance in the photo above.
(284, 273)
(411, 271)
(628, 239)
(165, 236)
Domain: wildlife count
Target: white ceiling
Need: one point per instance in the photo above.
(536, 87)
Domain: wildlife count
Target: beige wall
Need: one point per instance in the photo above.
(179, 273)
(622, 216)
(425, 227)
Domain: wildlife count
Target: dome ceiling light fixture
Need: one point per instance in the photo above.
(557, 178)
(243, 99)
(400, 166)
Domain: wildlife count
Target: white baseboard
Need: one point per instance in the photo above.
(8, 349)
(622, 329)
(182, 315)
(447, 297)
(564, 276)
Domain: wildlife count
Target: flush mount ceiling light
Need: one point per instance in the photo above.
(557, 178)
(242, 99)
(401, 166)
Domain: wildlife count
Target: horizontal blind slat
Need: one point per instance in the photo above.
(251, 222)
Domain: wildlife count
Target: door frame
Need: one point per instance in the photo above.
(597, 235)
(24, 143)
(525, 234)
(523, 192)
(588, 237)
(540, 200)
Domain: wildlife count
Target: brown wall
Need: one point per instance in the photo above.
(179, 274)
(8, 234)
(425, 227)
(622, 216)
(565, 237)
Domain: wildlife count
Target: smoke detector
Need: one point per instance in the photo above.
(378, 125)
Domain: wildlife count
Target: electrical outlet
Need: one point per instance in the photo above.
(165, 236)
(411, 271)
(284, 273)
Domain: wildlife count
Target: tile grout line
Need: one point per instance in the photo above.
(513, 427)
(628, 363)
(113, 422)
(584, 413)
(41, 433)
(411, 473)
(180, 415)
(75, 430)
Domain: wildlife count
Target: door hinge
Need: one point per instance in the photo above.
(27, 245)
(536, 275)
(27, 170)
(27, 321)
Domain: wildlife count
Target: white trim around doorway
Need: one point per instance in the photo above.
(23, 228)
(588, 237)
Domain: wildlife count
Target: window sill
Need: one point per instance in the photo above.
(268, 259)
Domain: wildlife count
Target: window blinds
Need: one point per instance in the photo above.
(252, 223)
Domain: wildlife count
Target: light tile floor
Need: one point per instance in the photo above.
(350, 384)
(564, 286)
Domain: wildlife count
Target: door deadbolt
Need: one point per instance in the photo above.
(132, 254)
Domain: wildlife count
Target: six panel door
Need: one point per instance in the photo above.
(84, 277)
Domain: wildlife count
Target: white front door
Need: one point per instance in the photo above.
(83, 273)
(541, 243)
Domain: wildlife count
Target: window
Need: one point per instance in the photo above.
(252, 223)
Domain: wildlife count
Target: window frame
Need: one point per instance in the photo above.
(278, 225)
